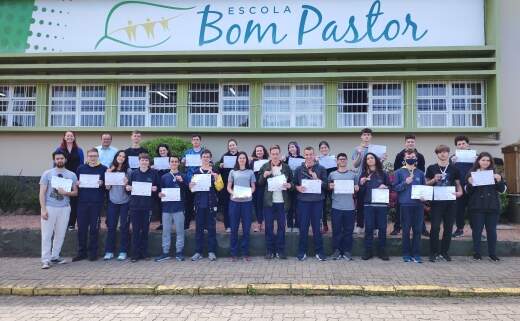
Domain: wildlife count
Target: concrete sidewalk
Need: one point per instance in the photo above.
(462, 277)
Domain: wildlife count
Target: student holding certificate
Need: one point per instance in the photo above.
(172, 210)
(484, 206)
(241, 185)
(191, 161)
(442, 176)
(276, 202)
(163, 151)
(91, 198)
(117, 211)
(205, 209)
(142, 182)
(324, 148)
(463, 166)
(358, 154)
(259, 154)
(343, 209)
(412, 210)
(293, 159)
(372, 177)
(55, 209)
(225, 168)
(310, 205)
(132, 152)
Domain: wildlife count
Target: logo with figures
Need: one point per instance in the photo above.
(140, 24)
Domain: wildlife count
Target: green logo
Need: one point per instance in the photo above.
(133, 33)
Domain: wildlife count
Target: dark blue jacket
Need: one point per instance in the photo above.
(92, 195)
(376, 179)
(150, 176)
(206, 199)
(169, 181)
(405, 190)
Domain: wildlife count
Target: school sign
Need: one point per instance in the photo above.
(45, 26)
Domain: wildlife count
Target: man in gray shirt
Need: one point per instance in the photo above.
(343, 210)
(55, 208)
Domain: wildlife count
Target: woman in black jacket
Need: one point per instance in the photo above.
(484, 206)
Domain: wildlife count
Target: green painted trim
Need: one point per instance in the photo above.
(490, 21)
(331, 105)
(182, 106)
(42, 103)
(255, 112)
(492, 106)
(410, 103)
(112, 101)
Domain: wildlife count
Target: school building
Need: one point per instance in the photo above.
(258, 71)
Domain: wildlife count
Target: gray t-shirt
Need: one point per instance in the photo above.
(242, 178)
(343, 202)
(52, 197)
(118, 193)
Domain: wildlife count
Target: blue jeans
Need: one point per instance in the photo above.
(240, 211)
(140, 229)
(88, 216)
(115, 213)
(412, 219)
(489, 219)
(310, 214)
(205, 220)
(342, 228)
(375, 218)
(276, 212)
(258, 200)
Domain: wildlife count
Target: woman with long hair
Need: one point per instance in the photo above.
(232, 150)
(293, 159)
(162, 150)
(259, 153)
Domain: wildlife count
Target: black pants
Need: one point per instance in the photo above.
(445, 211)
(326, 207)
(189, 213)
(462, 203)
(73, 211)
(360, 207)
(489, 220)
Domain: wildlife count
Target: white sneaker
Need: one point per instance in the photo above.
(196, 257)
(45, 265)
(122, 256)
(357, 230)
(228, 230)
(108, 256)
(212, 256)
(295, 230)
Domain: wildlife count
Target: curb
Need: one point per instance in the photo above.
(272, 289)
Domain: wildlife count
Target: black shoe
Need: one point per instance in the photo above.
(269, 256)
(494, 258)
(446, 257)
(433, 258)
(383, 256)
(159, 228)
(395, 232)
(425, 233)
(477, 257)
(79, 258)
(367, 256)
(93, 258)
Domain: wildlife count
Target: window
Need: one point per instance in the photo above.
(293, 106)
(450, 104)
(152, 105)
(214, 105)
(17, 106)
(77, 106)
(367, 104)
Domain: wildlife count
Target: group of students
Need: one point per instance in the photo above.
(293, 190)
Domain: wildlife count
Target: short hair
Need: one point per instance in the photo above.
(309, 148)
(442, 148)
(410, 151)
(144, 156)
(409, 136)
(323, 142)
(206, 152)
(136, 132)
(275, 146)
(461, 137)
(196, 135)
(58, 152)
(342, 155)
(174, 156)
(93, 150)
(106, 134)
(366, 131)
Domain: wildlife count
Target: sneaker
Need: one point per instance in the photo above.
(458, 233)
(336, 255)
(425, 233)
(483, 237)
(347, 256)
(321, 257)
(395, 232)
(45, 265)
(417, 259)
(494, 258)
(407, 259)
(302, 257)
(122, 256)
(477, 257)
(163, 257)
(357, 230)
(383, 256)
(367, 256)
(269, 256)
(108, 256)
(281, 256)
(433, 258)
(212, 256)
(179, 257)
(196, 257)
(71, 227)
(228, 230)
(445, 257)
(58, 260)
(79, 258)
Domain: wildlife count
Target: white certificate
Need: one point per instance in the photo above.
(114, 178)
(381, 195)
(133, 161)
(481, 178)
(444, 193)
(242, 192)
(328, 162)
(466, 155)
(378, 150)
(230, 161)
(60, 182)
(193, 160)
(171, 194)
(88, 181)
(275, 184)
(202, 182)
(161, 163)
(294, 163)
(422, 192)
(141, 189)
(312, 186)
(343, 186)
(259, 163)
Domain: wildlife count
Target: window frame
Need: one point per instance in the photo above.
(10, 113)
